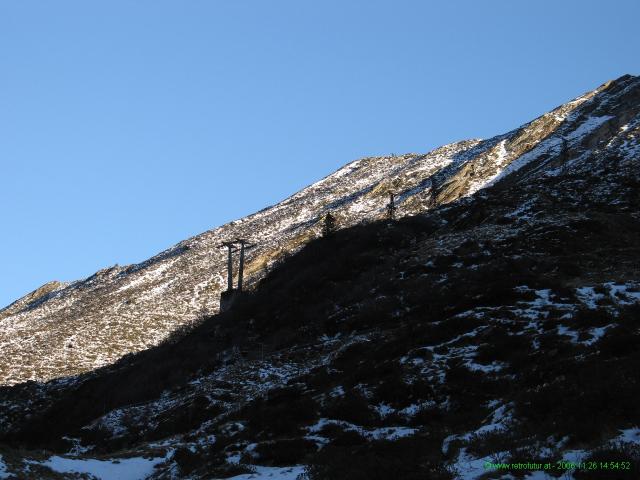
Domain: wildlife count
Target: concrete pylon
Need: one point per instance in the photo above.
(228, 297)
(241, 266)
(244, 246)
(230, 249)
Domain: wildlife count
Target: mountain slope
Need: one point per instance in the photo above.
(66, 329)
(498, 327)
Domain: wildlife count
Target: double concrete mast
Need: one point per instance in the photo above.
(233, 246)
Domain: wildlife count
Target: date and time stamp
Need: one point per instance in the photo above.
(561, 466)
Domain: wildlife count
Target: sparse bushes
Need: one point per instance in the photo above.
(413, 458)
(470, 392)
(569, 392)
(619, 341)
(218, 468)
(429, 416)
(393, 390)
(284, 452)
(352, 407)
(340, 437)
(587, 318)
(502, 347)
(485, 444)
(374, 313)
(187, 460)
(283, 412)
(570, 268)
(183, 418)
(449, 329)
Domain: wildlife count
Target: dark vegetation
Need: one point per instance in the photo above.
(377, 281)
(563, 393)
(412, 458)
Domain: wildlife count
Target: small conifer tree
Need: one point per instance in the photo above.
(391, 207)
(564, 149)
(329, 225)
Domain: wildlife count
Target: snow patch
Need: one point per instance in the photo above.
(550, 144)
(280, 473)
(589, 297)
(337, 392)
(384, 410)
(623, 294)
(390, 433)
(3, 469)
(588, 126)
(383, 433)
(630, 435)
(596, 334)
(117, 469)
(148, 276)
(470, 468)
(477, 367)
(498, 159)
(562, 330)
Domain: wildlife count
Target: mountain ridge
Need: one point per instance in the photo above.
(500, 326)
(133, 307)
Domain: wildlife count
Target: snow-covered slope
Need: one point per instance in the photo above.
(65, 329)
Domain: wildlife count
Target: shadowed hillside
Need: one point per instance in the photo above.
(498, 327)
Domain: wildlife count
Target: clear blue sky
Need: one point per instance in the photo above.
(127, 126)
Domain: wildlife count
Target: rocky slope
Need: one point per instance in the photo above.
(497, 326)
(66, 329)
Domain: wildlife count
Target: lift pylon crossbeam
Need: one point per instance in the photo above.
(239, 244)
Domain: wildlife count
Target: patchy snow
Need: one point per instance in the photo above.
(390, 433)
(541, 475)
(280, 473)
(116, 469)
(550, 144)
(574, 456)
(384, 410)
(562, 330)
(382, 433)
(77, 447)
(519, 212)
(414, 408)
(337, 392)
(629, 435)
(497, 159)
(543, 299)
(589, 297)
(621, 294)
(497, 421)
(319, 440)
(469, 468)
(587, 126)
(3, 470)
(148, 275)
(596, 334)
(477, 367)
(624, 294)
(539, 308)
(500, 414)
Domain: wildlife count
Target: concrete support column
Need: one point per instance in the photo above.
(230, 268)
(241, 266)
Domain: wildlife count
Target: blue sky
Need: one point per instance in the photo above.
(127, 126)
